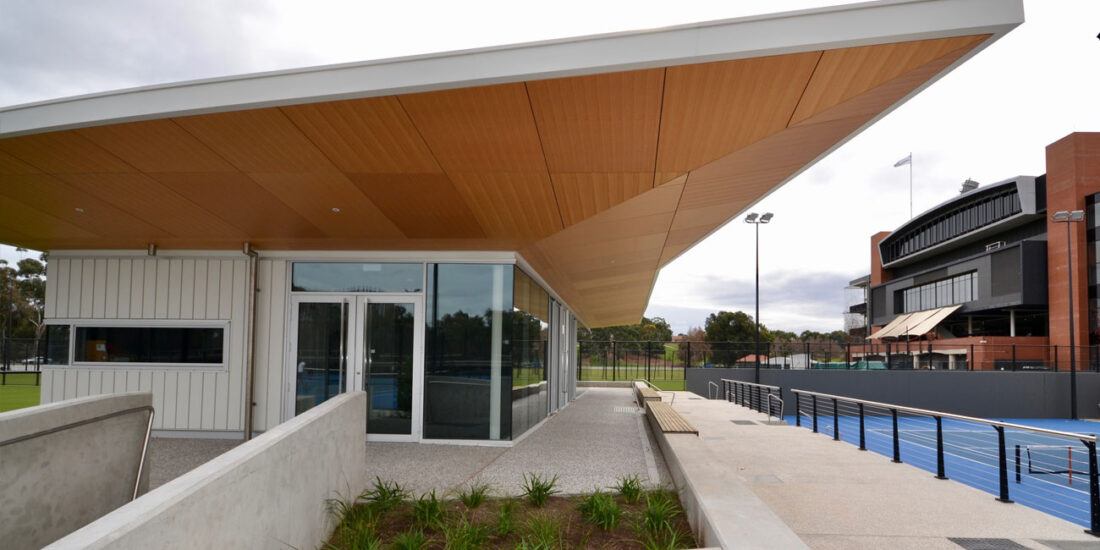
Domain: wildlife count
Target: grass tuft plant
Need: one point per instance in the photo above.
(537, 489)
(506, 517)
(601, 510)
(428, 510)
(542, 532)
(383, 495)
(659, 512)
(413, 539)
(630, 488)
(463, 535)
(474, 495)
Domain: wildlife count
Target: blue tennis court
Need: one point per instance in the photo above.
(1053, 471)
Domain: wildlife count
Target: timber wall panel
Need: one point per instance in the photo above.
(151, 288)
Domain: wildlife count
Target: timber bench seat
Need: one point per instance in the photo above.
(644, 393)
(662, 417)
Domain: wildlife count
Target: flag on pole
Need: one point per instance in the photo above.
(907, 160)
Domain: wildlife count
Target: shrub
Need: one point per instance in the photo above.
(537, 489)
(474, 495)
(630, 488)
(600, 509)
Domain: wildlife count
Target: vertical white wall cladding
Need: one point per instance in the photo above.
(271, 302)
(163, 288)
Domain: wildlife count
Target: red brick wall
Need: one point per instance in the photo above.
(1073, 172)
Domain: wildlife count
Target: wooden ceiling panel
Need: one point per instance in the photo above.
(583, 195)
(242, 203)
(845, 73)
(483, 129)
(22, 219)
(421, 205)
(259, 140)
(156, 146)
(372, 135)
(599, 123)
(10, 165)
(721, 189)
(64, 152)
(93, 212)
(518, 205)
(713, 109)
(148, 200)
(314, 196)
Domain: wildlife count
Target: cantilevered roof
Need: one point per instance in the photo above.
(598, 159)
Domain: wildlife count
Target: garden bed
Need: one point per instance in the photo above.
(385, 516)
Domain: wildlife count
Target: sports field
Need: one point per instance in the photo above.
(18, 391)
(1045, 472)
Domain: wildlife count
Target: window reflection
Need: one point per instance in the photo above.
(467, 348)
(530, 335)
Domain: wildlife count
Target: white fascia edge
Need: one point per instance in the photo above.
(773, 34)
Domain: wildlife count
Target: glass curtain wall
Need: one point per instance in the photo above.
(530, 357)
(467, 385)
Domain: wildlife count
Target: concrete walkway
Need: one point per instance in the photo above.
(590, 444)
(833, 496)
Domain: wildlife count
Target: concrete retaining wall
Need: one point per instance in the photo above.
(65, 464)
(975, 393)
(267, 493)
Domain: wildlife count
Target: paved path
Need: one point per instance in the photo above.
(834, 496)
(590, 444)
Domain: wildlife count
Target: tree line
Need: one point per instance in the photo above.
(23, 297)
(723, 326)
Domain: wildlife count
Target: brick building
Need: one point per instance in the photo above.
(980, 281)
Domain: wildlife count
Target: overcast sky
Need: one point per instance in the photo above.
(989, 120)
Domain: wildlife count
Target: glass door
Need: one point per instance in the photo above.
(320, 350)
(391, 367)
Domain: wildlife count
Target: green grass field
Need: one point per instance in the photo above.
(19, 392)
(664, 378)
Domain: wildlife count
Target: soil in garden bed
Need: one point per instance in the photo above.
(557, 524)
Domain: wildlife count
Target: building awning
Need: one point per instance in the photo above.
(598, 159)
(914, 324)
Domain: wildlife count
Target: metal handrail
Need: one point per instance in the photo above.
(781, 406)
(776, 388)
(657, 389)
(941, 472)
(941, 414)
(86, 421)
(717, 389)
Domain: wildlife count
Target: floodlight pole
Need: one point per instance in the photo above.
(757, 221)
(1067, 218)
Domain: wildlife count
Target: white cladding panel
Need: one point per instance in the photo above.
(271, 307)
(163, 289)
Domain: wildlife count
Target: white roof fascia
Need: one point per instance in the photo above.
(773, 34)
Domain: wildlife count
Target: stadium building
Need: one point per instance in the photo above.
(981, 281)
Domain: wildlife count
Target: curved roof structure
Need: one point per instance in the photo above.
(598, 159)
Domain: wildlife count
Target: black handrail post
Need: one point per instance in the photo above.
(759, 400)
(970, 359)
(862, 436)
(814, 398)
(1017, 464)
(1003, 464)
(940, 473)
(836, 421)
(1094, 491)
(897, 446)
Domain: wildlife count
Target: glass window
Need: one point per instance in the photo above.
(357, 277)
(530, 344)
(203, 346)
(468, 345)
(57, 345)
